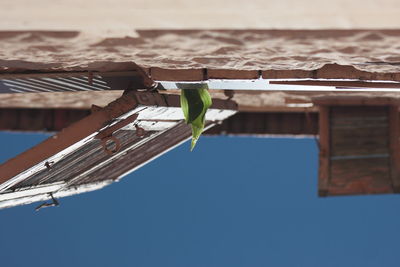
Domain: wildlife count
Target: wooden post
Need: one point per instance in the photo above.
(324, 151)
(394, 134)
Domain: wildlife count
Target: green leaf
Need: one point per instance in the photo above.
(195, 100)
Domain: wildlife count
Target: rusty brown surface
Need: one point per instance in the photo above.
(184, 54)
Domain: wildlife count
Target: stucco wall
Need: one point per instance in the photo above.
(121, 16)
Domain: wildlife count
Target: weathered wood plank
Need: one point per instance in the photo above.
(360, 158)
(360, 176)
(324, 150)
(359, 130)
(395, 147)
(359, 141)
(358, 111)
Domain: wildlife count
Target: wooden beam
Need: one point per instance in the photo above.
(242, 123)
(42, 120)
(324, 151)
(59, 100)
(394, 135)
(268, 123)
(354, 100)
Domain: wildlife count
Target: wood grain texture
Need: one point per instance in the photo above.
(360, 158)
(359, 130)
(268, 123)
(324, 151)
(395, 147)
(360, 176)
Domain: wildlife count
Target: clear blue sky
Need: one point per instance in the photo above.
(251, 202)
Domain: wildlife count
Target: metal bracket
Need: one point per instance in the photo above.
(54, 203)
(140, 132)
(49, 164)
(106, 140)
(106, 136)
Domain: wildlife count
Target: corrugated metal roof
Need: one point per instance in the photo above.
(71, 82)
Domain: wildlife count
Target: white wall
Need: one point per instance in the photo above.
(121, 16)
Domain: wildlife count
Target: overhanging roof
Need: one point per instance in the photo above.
(202, 54)
(82, 65)
(262, 70)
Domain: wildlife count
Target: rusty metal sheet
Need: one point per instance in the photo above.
(101, 148)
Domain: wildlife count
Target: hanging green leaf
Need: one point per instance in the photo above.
(195, 100)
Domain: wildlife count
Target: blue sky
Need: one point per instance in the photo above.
(250, 202)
